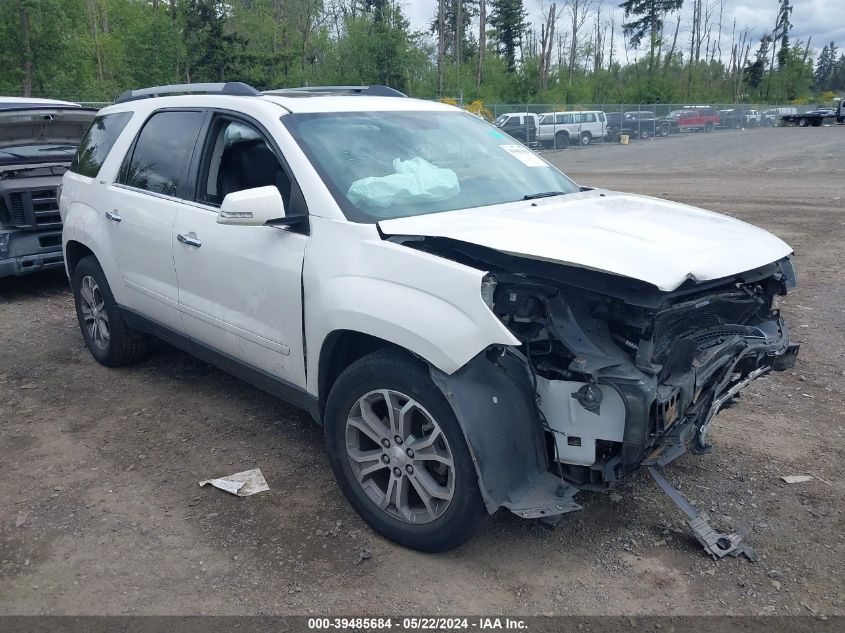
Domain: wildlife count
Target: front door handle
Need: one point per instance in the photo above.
(114, 216)
(189, 238)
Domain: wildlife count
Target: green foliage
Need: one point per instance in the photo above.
(92, 50)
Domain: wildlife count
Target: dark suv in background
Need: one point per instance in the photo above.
(38, 139)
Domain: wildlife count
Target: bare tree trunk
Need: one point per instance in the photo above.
(26, 52)
(668, 59)
(92, 13)
(547, 33)
(459, 31)
(173, 33)
(441, 44)
(482, 42)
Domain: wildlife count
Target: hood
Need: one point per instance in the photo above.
(23, 127)
(660, 242)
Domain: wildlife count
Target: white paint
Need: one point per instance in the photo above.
(566, 416)
(660, 242)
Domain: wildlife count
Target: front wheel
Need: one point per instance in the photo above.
(802, 122)
(586, 138)
(663, 130)
(399, 453)
(107, 336)
(708, 127)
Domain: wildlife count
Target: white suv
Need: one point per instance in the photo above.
(473, 330)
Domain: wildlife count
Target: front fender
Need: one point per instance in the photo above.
(431, 306)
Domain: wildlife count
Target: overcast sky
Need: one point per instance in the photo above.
(824, 20)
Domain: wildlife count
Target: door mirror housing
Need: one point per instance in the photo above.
(260, 206)
(252, 207)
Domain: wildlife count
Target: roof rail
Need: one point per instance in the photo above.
(227, 88)
(321, 91)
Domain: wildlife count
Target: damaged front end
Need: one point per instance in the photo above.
(612, 373)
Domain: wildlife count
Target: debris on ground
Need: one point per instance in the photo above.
(242, 484)
(797, 479)
(362, 556)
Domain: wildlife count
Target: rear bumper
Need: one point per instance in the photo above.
(25, 252)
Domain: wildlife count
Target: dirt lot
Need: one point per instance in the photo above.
(100, 512)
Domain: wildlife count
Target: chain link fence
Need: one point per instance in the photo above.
(549, 126)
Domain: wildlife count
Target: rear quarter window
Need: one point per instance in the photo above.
(97, 143)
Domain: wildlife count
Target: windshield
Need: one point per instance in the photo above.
(382, 165)
(40, 152)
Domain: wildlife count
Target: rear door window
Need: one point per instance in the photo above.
(159, 160)
(97, 143)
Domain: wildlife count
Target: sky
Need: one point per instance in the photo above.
(823, 20)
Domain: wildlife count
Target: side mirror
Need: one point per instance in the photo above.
(252, 207)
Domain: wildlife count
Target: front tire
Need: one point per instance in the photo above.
(399, 453)
(586, 138)
(111, 342)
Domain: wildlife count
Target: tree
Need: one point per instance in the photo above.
(507, 17)
(824, 67)
(211, 50)
(649, 15)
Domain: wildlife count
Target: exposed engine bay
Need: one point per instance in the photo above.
(623, 374)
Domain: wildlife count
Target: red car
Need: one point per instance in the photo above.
(694, 118)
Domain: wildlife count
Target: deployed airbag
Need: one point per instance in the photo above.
(414, 181)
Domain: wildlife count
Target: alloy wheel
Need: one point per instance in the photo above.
(400, 456)
(94, 314)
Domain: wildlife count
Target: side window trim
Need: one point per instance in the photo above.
(201, 157)
(130, 152)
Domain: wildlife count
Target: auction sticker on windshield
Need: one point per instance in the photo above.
(524, 155)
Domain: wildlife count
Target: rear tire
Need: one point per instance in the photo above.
(561, 140)
(409, 476)
(708, 127)
(111, 342)
(803, 122)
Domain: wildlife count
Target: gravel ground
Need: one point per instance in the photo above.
(100, 512)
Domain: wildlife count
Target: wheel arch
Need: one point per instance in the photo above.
(339, 350)
(74, 252)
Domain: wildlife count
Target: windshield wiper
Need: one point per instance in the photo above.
(543, 194)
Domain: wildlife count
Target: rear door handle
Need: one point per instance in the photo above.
(189, 238)
(114, 216)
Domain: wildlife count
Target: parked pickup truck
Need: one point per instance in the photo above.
(816, 117)
(694, 118)
(520, 125)
(738, 118)
(38, 138)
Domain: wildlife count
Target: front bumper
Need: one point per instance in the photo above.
(665, 420)
(27, 252)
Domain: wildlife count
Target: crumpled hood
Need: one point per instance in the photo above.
(660, 242)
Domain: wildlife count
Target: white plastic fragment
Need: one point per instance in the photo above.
(242, 484)
(797, 479)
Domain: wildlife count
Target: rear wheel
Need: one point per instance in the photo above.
(803, 122)
(708, 127)
(109, 339)
(399, 454)
(561, 140)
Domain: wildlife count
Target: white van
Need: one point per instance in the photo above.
(559, 129)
